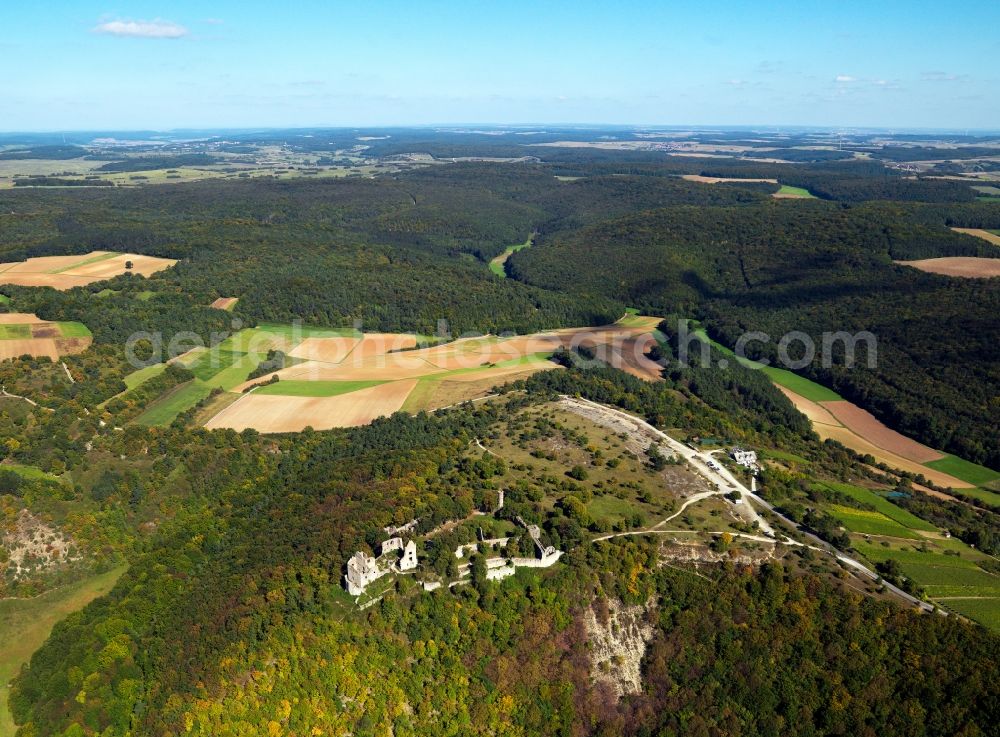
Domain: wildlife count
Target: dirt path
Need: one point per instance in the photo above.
(719, 477)
(699, 461)
(6, 394)
(691, 500)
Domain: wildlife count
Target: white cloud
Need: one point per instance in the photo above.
(845, 78)
(142, 28)
(943, 77)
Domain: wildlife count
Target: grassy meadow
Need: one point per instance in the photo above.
(497, 264)
(26, 623)
(789, 191)
(295, 388)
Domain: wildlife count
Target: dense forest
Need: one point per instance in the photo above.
(405, 252)
(812, 268)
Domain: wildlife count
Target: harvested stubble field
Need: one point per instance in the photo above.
(276, 413)
(835, 418)
(986, 235)
(349, 379)
(966, 267)
(66, 272)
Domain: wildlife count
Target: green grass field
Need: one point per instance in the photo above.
(144, 374)
(4, 299)
(307, 331)
(74, 330)
(497, 264)
(265, 333)
(180, 398)
(801, 385)
(15, 332)
(946, 576)
(91, 260)
(869, 523)
(314, 388)
(28, 472)
(984, 611)
(418, 398)
(610, 509)
(964, 470)
(222, 368)
(632, 319)
(792, 381)
(876, 553)
(796, 192)
(231, 377)
(26, 623)
(952, 581)
(783, 455)
(983, 495)
(882, 505)
(145, 296)
(207, 364)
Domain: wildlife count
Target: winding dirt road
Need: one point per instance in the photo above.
(725, 481)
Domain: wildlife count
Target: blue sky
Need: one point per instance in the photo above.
(81, 64)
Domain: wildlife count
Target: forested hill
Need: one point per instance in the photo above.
(816, 268)
(236, 624)
(329, 253)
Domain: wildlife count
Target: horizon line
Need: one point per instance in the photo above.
(965, 130)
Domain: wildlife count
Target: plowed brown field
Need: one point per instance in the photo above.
(867, 426)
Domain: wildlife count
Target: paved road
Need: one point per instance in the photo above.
(724, 480)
